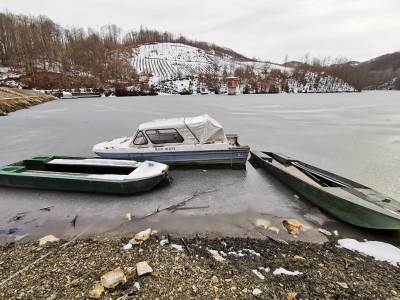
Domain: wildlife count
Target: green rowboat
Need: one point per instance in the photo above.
(347, 200)
(79, 174)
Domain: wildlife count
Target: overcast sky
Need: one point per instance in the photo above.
(266, 29)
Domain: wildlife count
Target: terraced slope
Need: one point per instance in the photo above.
(166, 61)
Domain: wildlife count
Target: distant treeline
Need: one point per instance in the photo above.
(382, 72)
(49, 55)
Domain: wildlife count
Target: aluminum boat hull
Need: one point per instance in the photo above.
(22, 175)
(371, 210)
(234, 156)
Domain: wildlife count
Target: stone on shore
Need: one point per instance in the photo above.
(143, 268)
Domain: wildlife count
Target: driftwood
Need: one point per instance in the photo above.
(73, 222)
(191, 207)
(47, 208)
(186, 246)
(179, 205)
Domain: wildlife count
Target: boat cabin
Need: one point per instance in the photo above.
(184, 131)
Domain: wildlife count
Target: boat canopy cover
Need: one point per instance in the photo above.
(204, 128)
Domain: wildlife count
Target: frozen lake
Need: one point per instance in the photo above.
(356, 135)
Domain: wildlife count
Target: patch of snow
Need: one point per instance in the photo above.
(379, 250)
(244, 252)
(266, 270)
(94, 162)
(283, 271)
(177, 247)
(164, 242)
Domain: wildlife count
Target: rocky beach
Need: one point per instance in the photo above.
(177, 267)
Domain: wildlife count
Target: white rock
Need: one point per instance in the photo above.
(97, 291)
(257, 292)
(136, 285)
(127, 246)
(216, 255)
(264, 223)
(111, 279)
(326, 232)
(140, 237)
(274, 229)
(143, 268)
(48, 239)
(258, 274)
(128, 216)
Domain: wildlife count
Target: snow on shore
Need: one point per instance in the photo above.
(379, 250)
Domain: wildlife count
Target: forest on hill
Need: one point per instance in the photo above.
(47, 53)
(42, 54)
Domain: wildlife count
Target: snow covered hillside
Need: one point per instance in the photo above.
(173, 68)
(167, 61)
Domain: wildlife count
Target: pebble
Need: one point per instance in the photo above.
(111, 279)
(48, 239)
(274, 229)
(257, 292)
(216, 255)
(97, 291)
(214, 280)
(127, 246)
(298, 257)
(143, 268)
(264, 223)
(324, 231)
(136, 285)
(194, 288)
(343, 285)
(258, 274)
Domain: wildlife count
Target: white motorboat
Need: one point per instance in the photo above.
(178, 141)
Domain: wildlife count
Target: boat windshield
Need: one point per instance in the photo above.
(164, 136)
(140, 139)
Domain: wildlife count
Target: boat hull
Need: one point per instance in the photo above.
(234, 156)
(73, 184)
(338, 207)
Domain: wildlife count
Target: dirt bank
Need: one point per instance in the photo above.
(69, 272)
(15, 99)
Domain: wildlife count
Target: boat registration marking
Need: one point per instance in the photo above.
(164, 149)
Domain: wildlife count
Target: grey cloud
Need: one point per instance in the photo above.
(357, 29)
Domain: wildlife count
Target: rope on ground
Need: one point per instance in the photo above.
(42, 257)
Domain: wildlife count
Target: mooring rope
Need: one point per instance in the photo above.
(42, 257)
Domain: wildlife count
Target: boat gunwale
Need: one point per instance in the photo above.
(55, 174)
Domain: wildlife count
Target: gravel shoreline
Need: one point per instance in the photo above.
(69, 271)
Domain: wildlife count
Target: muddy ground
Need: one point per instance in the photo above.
(70, 270)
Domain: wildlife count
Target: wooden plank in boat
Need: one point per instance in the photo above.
(296, 172)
